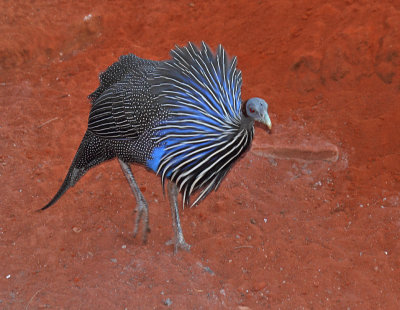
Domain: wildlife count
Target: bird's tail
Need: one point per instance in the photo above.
(73, 175)
(91, 152)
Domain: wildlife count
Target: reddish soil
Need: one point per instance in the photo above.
(308, 219)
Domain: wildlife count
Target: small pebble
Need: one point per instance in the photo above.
(87, 17)
(76, 229)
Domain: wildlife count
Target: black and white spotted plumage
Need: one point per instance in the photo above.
(182, 118)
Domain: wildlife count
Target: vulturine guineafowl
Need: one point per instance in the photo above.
(183, 118)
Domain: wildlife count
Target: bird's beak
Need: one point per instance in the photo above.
(267, 121)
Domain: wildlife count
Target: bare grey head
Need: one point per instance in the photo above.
(257, 110)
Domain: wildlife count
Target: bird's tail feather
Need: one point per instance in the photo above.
(90, 153)
(73, 176)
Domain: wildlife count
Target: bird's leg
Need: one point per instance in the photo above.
(141, 204)
(178, 241)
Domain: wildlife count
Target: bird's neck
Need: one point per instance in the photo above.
(246, 122)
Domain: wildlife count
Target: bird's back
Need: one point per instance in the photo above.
(123, 107)
(117, 71)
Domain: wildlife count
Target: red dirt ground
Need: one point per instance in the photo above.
(308, 219)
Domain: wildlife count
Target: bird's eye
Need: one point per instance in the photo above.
(251, 110)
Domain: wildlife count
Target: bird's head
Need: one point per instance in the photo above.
(257, 110)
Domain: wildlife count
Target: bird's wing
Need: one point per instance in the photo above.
(120, 102)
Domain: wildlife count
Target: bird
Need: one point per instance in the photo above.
(182, 118)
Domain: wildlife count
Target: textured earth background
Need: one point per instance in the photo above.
(308, 219)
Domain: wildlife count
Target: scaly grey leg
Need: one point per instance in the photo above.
(141, 204)
(178, 241)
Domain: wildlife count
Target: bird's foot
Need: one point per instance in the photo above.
(179, 244)
(142, 212)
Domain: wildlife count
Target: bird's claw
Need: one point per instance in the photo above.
(179, 245)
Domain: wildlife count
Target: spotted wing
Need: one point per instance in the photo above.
(121, 105)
